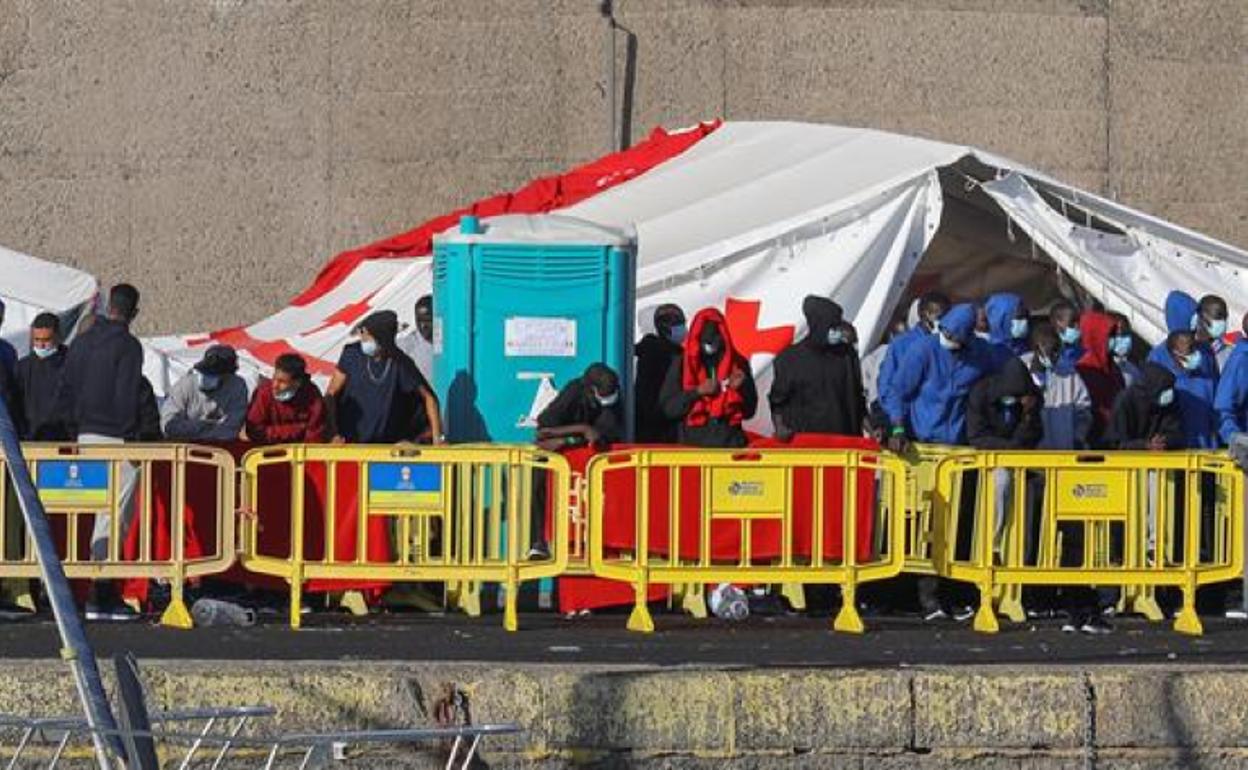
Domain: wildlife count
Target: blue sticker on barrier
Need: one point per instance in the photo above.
(404, 485)
(73, 482)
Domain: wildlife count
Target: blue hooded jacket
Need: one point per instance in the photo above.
(929, 390)
(1001, 309)
(893, 357)
(1194, 391)
(1231, 398)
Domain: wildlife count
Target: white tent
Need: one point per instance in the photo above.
(755, 216)
(30, 286)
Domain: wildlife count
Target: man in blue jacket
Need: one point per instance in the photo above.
(932, 306)
(1008, 325)
(1196, 379)
(1230, 401)
(927, 398)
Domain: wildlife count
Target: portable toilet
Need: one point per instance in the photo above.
(523, 305)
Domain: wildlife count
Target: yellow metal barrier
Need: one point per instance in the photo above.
(1139, 520)
(780, 498)
(459, 514)
(98, 483)
(922, 531)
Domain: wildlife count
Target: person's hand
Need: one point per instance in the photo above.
(1157, 443)
(736, 379)
(708, 387)
(1029, 402)
(592, 437)
(338, 440)
(437, 439)
(550, 444)
(783, 434)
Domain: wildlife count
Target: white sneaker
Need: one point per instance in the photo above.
(932, 616)
(963, 613)
(1237, 613)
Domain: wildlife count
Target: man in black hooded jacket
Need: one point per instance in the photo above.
(655, 354)
(1145, 415)
(818, 381)
(1003, 411)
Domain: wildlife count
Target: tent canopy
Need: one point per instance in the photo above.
(751, 217)
(31, 286)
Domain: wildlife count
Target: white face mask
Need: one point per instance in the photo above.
(949, 344)
(44, 352)
(836, 336)
(286, 396)
(610, 400)
(677, 333)
(368, 347)
(710, 348)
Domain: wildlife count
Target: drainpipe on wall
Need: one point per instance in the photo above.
(605, 8)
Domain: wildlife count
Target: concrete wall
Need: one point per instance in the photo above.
(216, 152)
(1141, 717)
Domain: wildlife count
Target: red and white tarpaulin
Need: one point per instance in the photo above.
(751, 217)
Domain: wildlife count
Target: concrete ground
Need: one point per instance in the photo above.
(786, 641)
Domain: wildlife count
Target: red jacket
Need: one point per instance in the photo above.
(299, 420)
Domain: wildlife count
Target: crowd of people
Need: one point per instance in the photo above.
(990, 375)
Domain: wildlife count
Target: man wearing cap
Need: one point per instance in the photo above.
(209, 403)
(377, 394)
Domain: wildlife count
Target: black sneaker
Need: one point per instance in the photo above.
(539, 552)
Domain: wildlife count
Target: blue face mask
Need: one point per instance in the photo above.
(1191, 362)
(1216, 328)
(1120, 346)
(1019, 328)
(43, 352)
(985, 336)
(208, 382)
(1071, 335)
(677, 333)
(368, 347)
(1165, 397)
(836, 336)
(1008, 401)
(948, 343)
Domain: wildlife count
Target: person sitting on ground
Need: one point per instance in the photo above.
(710, 388)
(289, 409)
(655, 354)
(377, 394)
(208, 403)
(817, 385)
(39, 380)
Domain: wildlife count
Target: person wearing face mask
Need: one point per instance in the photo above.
(289, 409)
(39, 379)
(817, 385)
(1210, 324)
(1101, 371)
(587, 412)
(927, 400)
(1145, 415)
(1003, 410)
(1122, 347)
(655, 353)
(931, 307)
(1008, 325)
(710, 388)
(1067, 416)
(377, 394)
(209, 403)
(1065, 317)
(1231, 403)
(1196, 382)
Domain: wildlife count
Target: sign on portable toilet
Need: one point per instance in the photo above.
(523, 305)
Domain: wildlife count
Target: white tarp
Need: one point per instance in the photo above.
(31, 286)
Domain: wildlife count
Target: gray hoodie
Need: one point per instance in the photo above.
(1067, 412)
(191, 414)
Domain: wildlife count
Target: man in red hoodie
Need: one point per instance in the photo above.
(290, 410)
(1100, 372)
(710, 388)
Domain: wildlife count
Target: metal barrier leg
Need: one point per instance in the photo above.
(1011, 604)
(1142, 600)
(466, 596)
(795, 593)
(985, 618)
(848, 620)
(353, 602)
(296, 598)
(1187, 621)
(176, 615)
(511, 616)
(692, 598)
(639, 619)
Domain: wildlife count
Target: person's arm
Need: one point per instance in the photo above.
(1122, 433)
(174, 421)
(979, 432)
(234, 413)
(1229, 400)
(1084, 414)
(336, 384)
(255, 421)
(1030, 429)
(148, 413)
(1170, 428)
(676, 401)
(747, 389)
(555, 428)
(433, 411)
